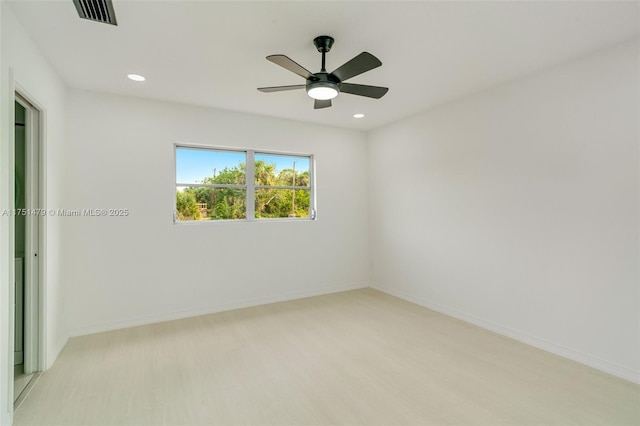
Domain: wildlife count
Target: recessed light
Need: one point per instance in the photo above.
(136, 77)
(359, 115)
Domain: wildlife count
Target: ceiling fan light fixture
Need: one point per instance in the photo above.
(322, 90)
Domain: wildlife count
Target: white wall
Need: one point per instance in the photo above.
(517, 209)
(32, 73)
(143, 268)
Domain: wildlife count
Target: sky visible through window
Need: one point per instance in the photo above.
(193, 165)
(285, 162)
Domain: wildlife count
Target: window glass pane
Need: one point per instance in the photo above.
(281, 170)
(209, 166)
(198, 169)
(205, 203)
(273, 203)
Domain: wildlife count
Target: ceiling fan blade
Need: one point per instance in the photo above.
(363, 90)
(280, 88)
(321, 104)
(361, 63)
(290, 64)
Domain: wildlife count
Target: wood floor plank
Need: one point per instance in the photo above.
(359, 358)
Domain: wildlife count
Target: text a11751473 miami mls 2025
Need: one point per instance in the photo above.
(99, 212)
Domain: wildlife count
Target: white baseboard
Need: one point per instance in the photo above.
(134, 322)
(51, 357)
(572, 354)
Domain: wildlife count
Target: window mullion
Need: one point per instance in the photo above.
(251, 186)
(282, 187)
(209, 185)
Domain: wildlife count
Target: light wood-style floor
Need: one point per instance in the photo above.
(356, 358)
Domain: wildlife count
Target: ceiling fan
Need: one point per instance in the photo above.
(323, 86)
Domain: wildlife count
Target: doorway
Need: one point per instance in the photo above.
(26, 245)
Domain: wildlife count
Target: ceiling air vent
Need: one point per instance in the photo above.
(96, 10)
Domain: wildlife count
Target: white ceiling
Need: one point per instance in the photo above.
(212, 53)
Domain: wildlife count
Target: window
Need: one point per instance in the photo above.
(217, 184)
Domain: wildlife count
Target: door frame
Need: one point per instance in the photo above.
(7, 224)
(34, 254)
(35, 247)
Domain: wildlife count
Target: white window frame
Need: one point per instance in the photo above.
(249, 186)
